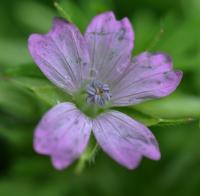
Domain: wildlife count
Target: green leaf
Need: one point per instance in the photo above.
(185, 54)
(96, 7)
(20, 137)
(42, 89)
(182, 106)
(13, 51)
(144, 22)
(16, 102)
(77, 15)
(28, 70)
(34, 15)
(137, 115)
(150, 120)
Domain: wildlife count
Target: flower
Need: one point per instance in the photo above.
(98, 67)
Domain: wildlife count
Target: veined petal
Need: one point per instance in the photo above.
(110, 44)
(62, 55)
(63, 133)
(150, 76)
(125, 139)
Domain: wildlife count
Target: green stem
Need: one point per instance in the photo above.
(80, 166)
(155, 40)
(62, 12)
(175, 121)
(88, 156)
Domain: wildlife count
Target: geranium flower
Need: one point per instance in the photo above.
(97, 68)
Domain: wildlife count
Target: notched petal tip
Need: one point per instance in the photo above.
(61, 54)
(135, 165)
(40, 147)
(179, 74)
(59, 21)
(108, 15)
(129, 28)
(173, 79)
(164, 54)
(33, 39)
(110, 58)
(59, 164)
(154, 153)
(63, 134)
(150, 76)
(125, 139)
(157, 156)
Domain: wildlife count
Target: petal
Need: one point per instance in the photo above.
(63, 133)
(110, 44)
(150, 76)
(125, 139)
(62, 55)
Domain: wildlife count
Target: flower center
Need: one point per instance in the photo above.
(98, 92)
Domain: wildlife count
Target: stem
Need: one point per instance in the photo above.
(175, 121)
(62, 12)
(155, 39)
(80, 166)
(88, 156)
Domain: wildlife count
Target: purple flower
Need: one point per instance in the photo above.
(98, 66)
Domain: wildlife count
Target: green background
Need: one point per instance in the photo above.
(172, 26)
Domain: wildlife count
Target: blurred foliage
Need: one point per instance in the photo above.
(25, 94)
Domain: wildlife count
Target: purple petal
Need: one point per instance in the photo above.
(63, 133)
(110, 44)
(150, 76)
(125, 139)
(62, 55)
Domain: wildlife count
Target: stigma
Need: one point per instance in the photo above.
(98, 93)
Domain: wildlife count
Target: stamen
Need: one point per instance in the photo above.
(98, 92)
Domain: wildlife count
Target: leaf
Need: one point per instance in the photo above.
(42, 89)
(34, 15)
(13, 51)
(150, 120)
(163, 32)
(16, 102)
(28, 70)
(137, 115)
(144, 22)
(181, 106)
(19, 137)
(184, 52)
(77, 15)
(97, 6)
